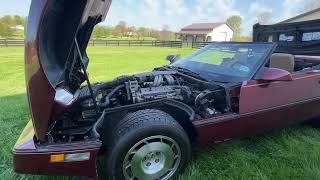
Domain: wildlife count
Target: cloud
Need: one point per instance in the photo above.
(150, 8)
(257, 8)
(290, 8)
(176, 7)
(218, 10)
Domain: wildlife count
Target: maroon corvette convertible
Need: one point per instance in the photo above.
(145, 125)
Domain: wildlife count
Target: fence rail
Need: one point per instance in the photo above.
(175, 44)
(200, 44)
(11, 42)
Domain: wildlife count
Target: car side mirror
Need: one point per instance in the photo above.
(173, 58)
(275, 74)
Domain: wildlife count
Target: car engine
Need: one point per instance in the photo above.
(206, 99)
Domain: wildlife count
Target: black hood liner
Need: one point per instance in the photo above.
(62, 23)
(267, 33)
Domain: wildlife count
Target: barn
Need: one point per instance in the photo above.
(196, 32)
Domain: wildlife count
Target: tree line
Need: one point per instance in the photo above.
(8, 26)
(123, 30)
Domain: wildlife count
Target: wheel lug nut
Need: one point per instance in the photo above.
(157, 160)
(148, 164)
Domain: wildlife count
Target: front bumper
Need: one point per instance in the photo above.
(29, 158)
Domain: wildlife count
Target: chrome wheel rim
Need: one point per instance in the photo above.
(155, 157)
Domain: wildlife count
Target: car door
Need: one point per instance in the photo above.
(279, 103)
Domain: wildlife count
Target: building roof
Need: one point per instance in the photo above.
(300, 16)
(194, 32)
(200, 28)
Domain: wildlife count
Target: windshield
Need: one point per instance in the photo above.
(227, 62)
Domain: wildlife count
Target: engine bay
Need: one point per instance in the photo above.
(77, 121)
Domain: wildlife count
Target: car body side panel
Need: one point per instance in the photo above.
(219, 129)
(264, 106)
(256, 95)
(29, 158)
(40, 92)
(39, 163)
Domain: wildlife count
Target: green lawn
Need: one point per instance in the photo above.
(292, 153)
(214, 57)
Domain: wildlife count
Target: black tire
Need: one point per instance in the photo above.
(136, 127)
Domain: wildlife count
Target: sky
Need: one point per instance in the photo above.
(179, 13)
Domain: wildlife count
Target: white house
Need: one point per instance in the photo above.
(17, 27)
(206, 32)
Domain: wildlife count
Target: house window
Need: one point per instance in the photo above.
(311, 36)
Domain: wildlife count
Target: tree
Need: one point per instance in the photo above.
(235, 24)
(101, 32)
(265, 18)
(7, 20)
(5, 31)
(242, 39)
(165, 33)
(19, 20)
(142, 32)
(117, 31)
(155, 34)
(120, 29)
(311, 5)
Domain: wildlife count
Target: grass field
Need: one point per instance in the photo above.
(291, 153)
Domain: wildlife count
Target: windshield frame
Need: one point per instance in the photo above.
(256, 72)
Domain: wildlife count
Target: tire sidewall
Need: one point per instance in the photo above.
(118, 153)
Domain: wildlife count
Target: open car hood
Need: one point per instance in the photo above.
(51, 58)
(63, 22)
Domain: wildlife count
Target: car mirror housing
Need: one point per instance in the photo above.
(275, 74)
(173, 58)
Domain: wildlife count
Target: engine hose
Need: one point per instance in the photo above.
(97, 126)
(107, 98)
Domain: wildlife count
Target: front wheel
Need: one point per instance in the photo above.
(148, 144)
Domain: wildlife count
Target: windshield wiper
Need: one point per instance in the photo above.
(187, 72)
